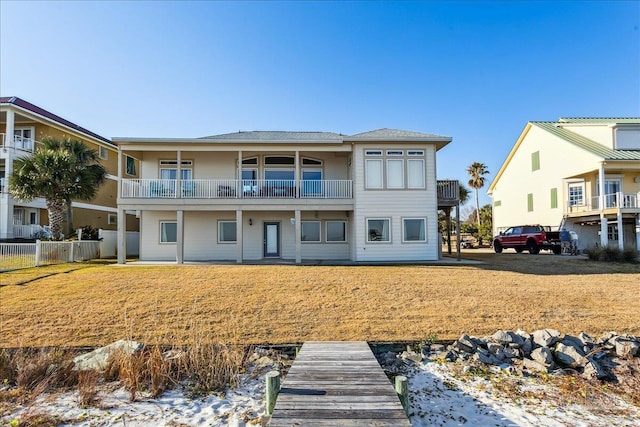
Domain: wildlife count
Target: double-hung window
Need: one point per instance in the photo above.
(378, 230)
(168, 231)
(394, 169)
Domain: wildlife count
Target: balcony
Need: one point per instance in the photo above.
(237, 189)
(611, 201)
(17, 143)
(448, 193)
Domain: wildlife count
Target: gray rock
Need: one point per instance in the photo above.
(569, 355)
(465, 344)
(576, 342)
(606, 337)
(542, 355)
(586, 339)
(97, 359)
(412, 356)
(437, 348)
(496, 350)
(527, 346)
(545, 337)
(534, 366)
(512, 352)
(484, 356)
(451, 356)
(626, 348)
(594, 370)
(508, 337)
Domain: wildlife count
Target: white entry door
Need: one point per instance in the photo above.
(271, 239)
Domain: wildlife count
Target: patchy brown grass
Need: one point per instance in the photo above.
(98, 304)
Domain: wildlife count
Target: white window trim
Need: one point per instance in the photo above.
(376, 153)
(111, 220)
(377, 242)
(402, 173)
(168, 221)
(126, 159)
(395, 153)
(319, 232)
(415, 153)
(102, 149)
(366, 171)
(326, 231)
(226, 242)
(424, 223)
(576, 184)
(424, 178)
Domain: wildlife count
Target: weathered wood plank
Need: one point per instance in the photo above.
(337, 383)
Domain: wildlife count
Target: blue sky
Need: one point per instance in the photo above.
(475, 71)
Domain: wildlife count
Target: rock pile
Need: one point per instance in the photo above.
(545, 350)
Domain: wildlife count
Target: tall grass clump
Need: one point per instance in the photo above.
(612, 254)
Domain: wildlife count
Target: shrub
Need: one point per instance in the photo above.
(611, 254)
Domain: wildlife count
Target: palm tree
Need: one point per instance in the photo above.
(477, 171)
(58, 171)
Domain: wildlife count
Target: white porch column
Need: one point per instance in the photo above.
(620, 229)
(180, 237)
(6, 209)
(297, 177)
(604, 240)
(179, 174)
(638, 232)
(122, 236)
(239, 234)
(239, 186)
(298, 229)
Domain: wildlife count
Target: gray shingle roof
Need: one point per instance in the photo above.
(385, 133)
(277, 136)
(589, 145)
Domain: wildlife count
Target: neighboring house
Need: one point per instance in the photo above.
(22, 126)
(250, 196)
(581, 174)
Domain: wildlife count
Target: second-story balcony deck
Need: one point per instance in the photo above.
(236, 189)
(611, 201)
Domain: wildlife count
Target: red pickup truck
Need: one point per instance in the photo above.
(530, 237)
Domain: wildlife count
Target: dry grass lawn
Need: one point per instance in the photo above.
(94, 304)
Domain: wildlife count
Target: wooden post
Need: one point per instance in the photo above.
(273, 388)
(402, 388)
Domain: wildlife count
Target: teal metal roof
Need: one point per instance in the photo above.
(599, 120)
(587, 144)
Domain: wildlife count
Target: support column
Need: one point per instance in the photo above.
(6, 209)
(297, 176)
(239, 186)
(604, 240)
(180, 237)
(122, 236)
(239, 234)
(620, 229)
(638, 232)
(458, 230)
(179, 174)
(298, 230)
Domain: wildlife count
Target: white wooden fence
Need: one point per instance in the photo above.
(14, 256)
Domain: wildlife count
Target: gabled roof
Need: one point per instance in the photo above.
(276, 136)
(588, 144)
(18, 102)
(385, 134)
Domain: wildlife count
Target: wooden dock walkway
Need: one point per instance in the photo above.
(337, 384)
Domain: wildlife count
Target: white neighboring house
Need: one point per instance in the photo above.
(581, 174)
(272, 195)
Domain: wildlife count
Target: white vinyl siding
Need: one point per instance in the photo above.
(374, 173)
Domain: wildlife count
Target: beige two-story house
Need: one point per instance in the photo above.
(295, 196)
(580, 174)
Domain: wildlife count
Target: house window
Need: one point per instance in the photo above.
(576, 194)
(168, 232)
(311, 162)
(336, 231)
(378, 230)
(611, 189)
(310, 231)
(395, 152)
(415, 173)
(250, 161)
(112, 219)
(535, 161)
(373, 153)
(415, 153)
(226, 231)
(311, 182)
(554, 198)
(169, 170)
(131, 166)
(497, 203)
(414, 230)
(612, 232)
(395, 173)
(103, 153)
(530, 202)
(279, 160)
(373, 173)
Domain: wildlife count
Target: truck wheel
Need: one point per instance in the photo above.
(557, 250)
(497, 247)
(519, 250)
(533, 248)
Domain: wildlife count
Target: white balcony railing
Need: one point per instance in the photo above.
(237, 189)
(18, 143)
(611, 201)
(31, 231)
